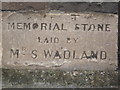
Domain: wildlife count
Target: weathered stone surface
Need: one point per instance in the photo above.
(76, 41)
(0, 59)
(18, 6)
(69, 7)
(0, 37)
(17, 78)
(40, 78)
(102, 7)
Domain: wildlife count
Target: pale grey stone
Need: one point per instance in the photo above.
(26, 40)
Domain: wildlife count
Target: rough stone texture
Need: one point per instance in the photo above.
(119, 36)
(18, 6)
(56, 78)
(0, 36)
(0, 58)
(104, 7)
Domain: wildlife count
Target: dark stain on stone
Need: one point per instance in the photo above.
(92, 56)
(35, 26)
(44, 16)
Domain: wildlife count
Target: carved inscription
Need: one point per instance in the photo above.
(65, 41)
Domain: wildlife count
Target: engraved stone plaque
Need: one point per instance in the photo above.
(65, 41)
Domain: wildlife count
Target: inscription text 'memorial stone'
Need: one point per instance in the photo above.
(68, 41)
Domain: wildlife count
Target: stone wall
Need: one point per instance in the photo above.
(52, 78)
